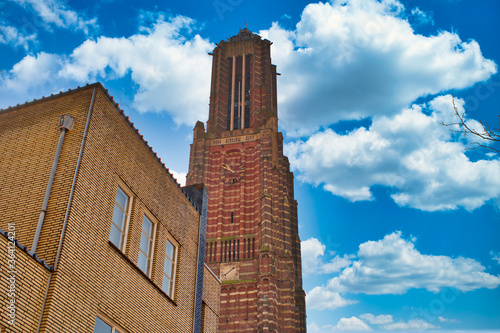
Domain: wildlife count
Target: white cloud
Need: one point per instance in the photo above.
(360, 58)
(383, 322)
(180, 176)
(414, 324)
(32, 73)
(447, 320)
(345, 60)
(54, 12)
(312, 252)
(171, 70)
(351, 60)
(320, 298)
(495, 256)
(313, 327)
(411, 152)
(491, 155)
(11, 35)
(336, 264)
(421, 17)
(351, 324)
(393, 266)
(378, 320)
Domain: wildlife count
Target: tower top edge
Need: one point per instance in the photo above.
(243, 34)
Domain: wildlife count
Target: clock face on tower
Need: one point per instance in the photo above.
(232, 172)
(229, 271)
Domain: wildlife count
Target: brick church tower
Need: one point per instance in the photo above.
(252, 230)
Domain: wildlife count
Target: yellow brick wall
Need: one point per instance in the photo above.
(28, 141)
(30, 282)
(93, 277)
(211, 298)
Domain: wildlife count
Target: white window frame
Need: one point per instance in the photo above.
(175, 262)
(130, 201)
(114, 328)
(152, 239)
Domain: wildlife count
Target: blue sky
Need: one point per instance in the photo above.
(399, 222)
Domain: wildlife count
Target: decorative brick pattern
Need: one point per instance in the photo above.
(252, 220)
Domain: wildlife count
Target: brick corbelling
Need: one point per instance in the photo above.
(25, 249)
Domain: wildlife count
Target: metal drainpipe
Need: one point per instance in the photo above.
(67, 214)
(65, 124)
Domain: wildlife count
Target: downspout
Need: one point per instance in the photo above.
(198, 303)
(67, 213)
(65, 124)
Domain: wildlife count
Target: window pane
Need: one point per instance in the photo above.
(121, 198)
(101, 327)
(170, 250)
(115, 236)
(168, 268)
(145, 243)
(166, 285)
(119, 217)
(146, 226)
(143, 262)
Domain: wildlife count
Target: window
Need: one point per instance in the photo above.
(203, 314)
(120, 217)
(169, 269)
(103, 327)
(146, 249)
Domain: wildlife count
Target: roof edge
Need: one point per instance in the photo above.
(127, 120)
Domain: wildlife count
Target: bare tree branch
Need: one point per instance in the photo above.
(487, 133)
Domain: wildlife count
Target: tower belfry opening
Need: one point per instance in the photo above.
(243, 85)
(239, 92)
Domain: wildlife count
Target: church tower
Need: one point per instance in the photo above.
(252, 230)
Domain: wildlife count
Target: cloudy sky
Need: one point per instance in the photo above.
(398, 218)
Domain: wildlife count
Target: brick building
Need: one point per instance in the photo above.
(116, 245)
(252, 229)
